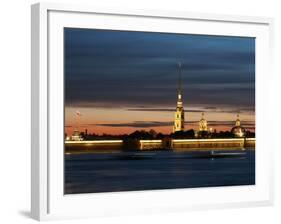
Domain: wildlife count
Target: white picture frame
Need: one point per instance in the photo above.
(48, 200)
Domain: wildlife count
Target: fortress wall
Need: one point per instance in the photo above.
(174, 144)
(212, 143)
(250, 143)
(88, 146)
(180, 144)
(209, 144)
(150, 144)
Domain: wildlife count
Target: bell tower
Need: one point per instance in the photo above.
(179, 113)
(203, 124)
(237, 122)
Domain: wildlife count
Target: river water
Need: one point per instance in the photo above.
(131, 171)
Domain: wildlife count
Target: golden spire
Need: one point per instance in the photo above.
(179, 113)
(179, 86)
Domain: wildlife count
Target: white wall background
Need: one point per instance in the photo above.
(15, 110)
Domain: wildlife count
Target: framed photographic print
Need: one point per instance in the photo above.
(148, 111)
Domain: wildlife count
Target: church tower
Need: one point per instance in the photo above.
(237, 122)
(203, 124)
(179, 114)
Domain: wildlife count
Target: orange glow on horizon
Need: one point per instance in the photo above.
(119, 121)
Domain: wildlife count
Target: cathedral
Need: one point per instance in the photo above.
(238, 130)
(179, 114)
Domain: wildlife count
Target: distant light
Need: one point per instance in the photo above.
(150, 141)
(206, 140)
(94, 142)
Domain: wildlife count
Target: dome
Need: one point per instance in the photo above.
(238, 130)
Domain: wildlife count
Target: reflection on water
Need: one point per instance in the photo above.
(131, 171)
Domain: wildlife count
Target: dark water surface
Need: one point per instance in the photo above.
(131, 171)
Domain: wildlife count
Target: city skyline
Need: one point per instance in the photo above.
(122, 81)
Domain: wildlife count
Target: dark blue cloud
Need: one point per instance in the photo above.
(124, 68)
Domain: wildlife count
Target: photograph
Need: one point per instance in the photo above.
(157, 111)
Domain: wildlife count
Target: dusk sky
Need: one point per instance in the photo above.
(122, 81)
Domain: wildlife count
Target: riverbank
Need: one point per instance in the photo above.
(109, 146)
